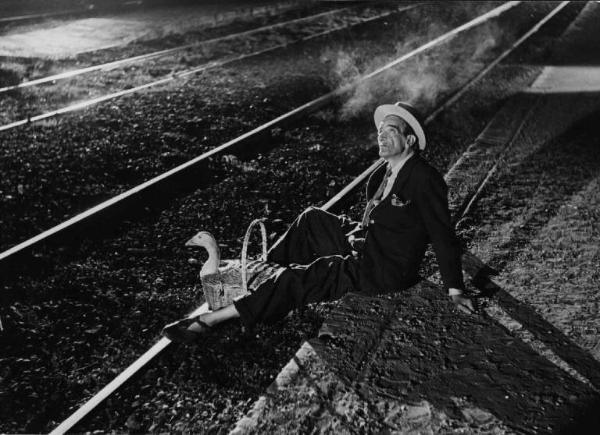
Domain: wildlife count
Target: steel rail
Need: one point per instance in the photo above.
(365, 174)
(116, 63)
(122, 5)
(89, 8)
(304, 109)
(43, 15)
(164, 342)
(499, 59)
(134, 192)
(119, 380)
(186, 73)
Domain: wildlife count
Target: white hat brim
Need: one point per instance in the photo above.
(391, 109)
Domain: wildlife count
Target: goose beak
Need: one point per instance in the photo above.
(192, 242)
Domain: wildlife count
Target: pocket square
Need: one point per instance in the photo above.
(397, 202)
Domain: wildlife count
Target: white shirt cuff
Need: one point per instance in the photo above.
(454, 292)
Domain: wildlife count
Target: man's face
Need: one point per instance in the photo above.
(390, 139)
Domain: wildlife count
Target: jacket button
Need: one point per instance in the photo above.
(372, 221)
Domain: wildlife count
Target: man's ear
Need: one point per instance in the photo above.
(411, 139)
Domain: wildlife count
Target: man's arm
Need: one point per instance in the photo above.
(432, 202)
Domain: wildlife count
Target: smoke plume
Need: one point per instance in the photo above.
(424, 80)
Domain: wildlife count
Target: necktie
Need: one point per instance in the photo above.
(376, 198)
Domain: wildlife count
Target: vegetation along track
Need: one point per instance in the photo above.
(125, 288)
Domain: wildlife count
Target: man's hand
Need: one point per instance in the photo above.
(464, 303)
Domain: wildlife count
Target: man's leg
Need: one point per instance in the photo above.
(327, 278)
(214, 317)
(315, 233)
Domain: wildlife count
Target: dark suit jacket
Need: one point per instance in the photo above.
(414, 213)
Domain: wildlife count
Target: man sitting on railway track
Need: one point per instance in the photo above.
(326, 256)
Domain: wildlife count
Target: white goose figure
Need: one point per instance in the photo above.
(225, 276)
(206, 240)
(217, 276)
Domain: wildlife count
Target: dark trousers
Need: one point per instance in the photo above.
(319, 266)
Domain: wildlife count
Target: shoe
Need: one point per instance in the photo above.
(178, 331)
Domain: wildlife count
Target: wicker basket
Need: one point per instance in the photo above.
(231, 281)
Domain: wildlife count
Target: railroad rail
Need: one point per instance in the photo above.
(41, 16)
(186, 73)
(163, 343)
(92, 7)
(451, 100)
(128, 197)
(143, 57)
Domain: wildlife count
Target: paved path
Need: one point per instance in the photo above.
(410, 364)
(59, 38)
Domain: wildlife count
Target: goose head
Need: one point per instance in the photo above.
(206, 240)
(203, 239)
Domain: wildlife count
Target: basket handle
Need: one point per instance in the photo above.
(263, 232)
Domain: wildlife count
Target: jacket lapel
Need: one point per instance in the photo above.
(377, 177)
(400, 180)
(404, 174)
